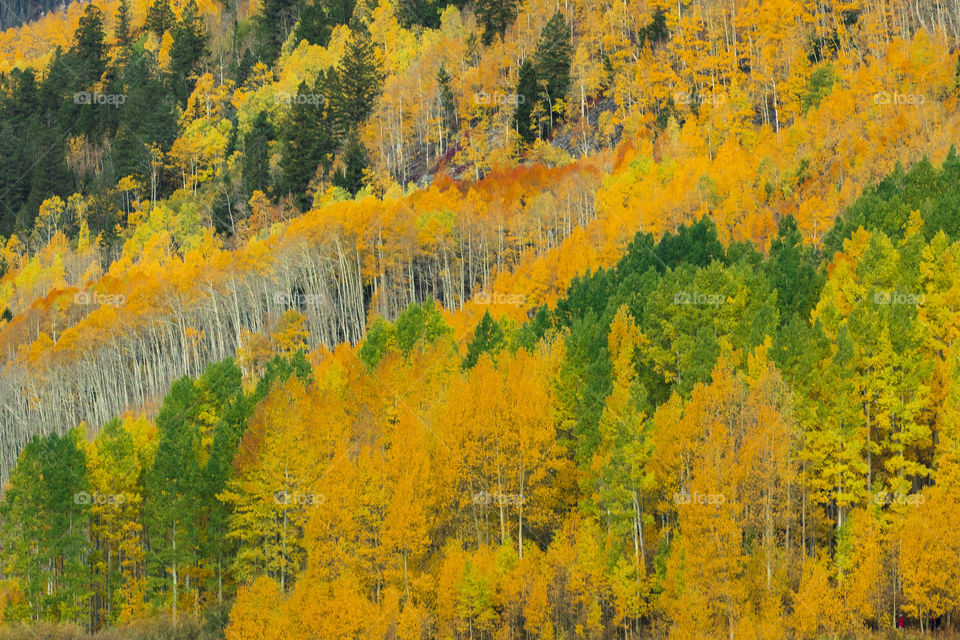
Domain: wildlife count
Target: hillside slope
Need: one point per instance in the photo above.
(436, 319)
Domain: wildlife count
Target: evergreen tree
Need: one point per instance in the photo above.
(792, 269)
(528, 92)
(350, 176)
(448, 102)
(340, 11)
(256, 155)
(273, 24)
(487, 338)
(358, 83)
(495, 16)
(188, 48)
(657, 31)
(222, 390)
(307, 141)
(89, 48)
(425, 13)
(122, 27)
(160, 18)
(553, 56)
(50, 175)
(314, 25)
(45, 513)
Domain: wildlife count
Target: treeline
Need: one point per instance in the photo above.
(703, 440)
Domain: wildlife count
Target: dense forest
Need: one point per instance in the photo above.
(479, 319)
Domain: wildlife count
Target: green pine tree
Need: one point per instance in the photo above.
(307, 140)
(314, 26)
(528, 92)
(273, 24)
(358, 82)
(553, 56)
(255, 166)
(494, 16)
(89, 48)
(350, 176)
(160, 18)
(448, 102)
(122, 26)
(188, 48)
(488, 337)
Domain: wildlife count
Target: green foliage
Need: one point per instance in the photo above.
(273, 24)
(307, 140)
(122, 27)
(819, 87)
(89, 47)
(188, 48)
(793, 270)
(350, 176)
(528, 92)
(45, 513)
(319, 17)
(553, 57)
(887, 206)
(418, 325)
(657, 32)
(256, 155)
(448, 102)
(172, 490)
(494, 17)
(425, 13)
(357, 83)
(160, 18)
(488, 337)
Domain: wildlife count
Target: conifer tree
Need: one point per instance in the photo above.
(89, 47)
(122, 26)
(528, 94)
(494, 16)
(358, 83)
(307, 140)
(188, 48)
(172, 488)
(351, 175)
(553, 57)
(448, 102)
(256, 155)
(487, 338)
(160, 18)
